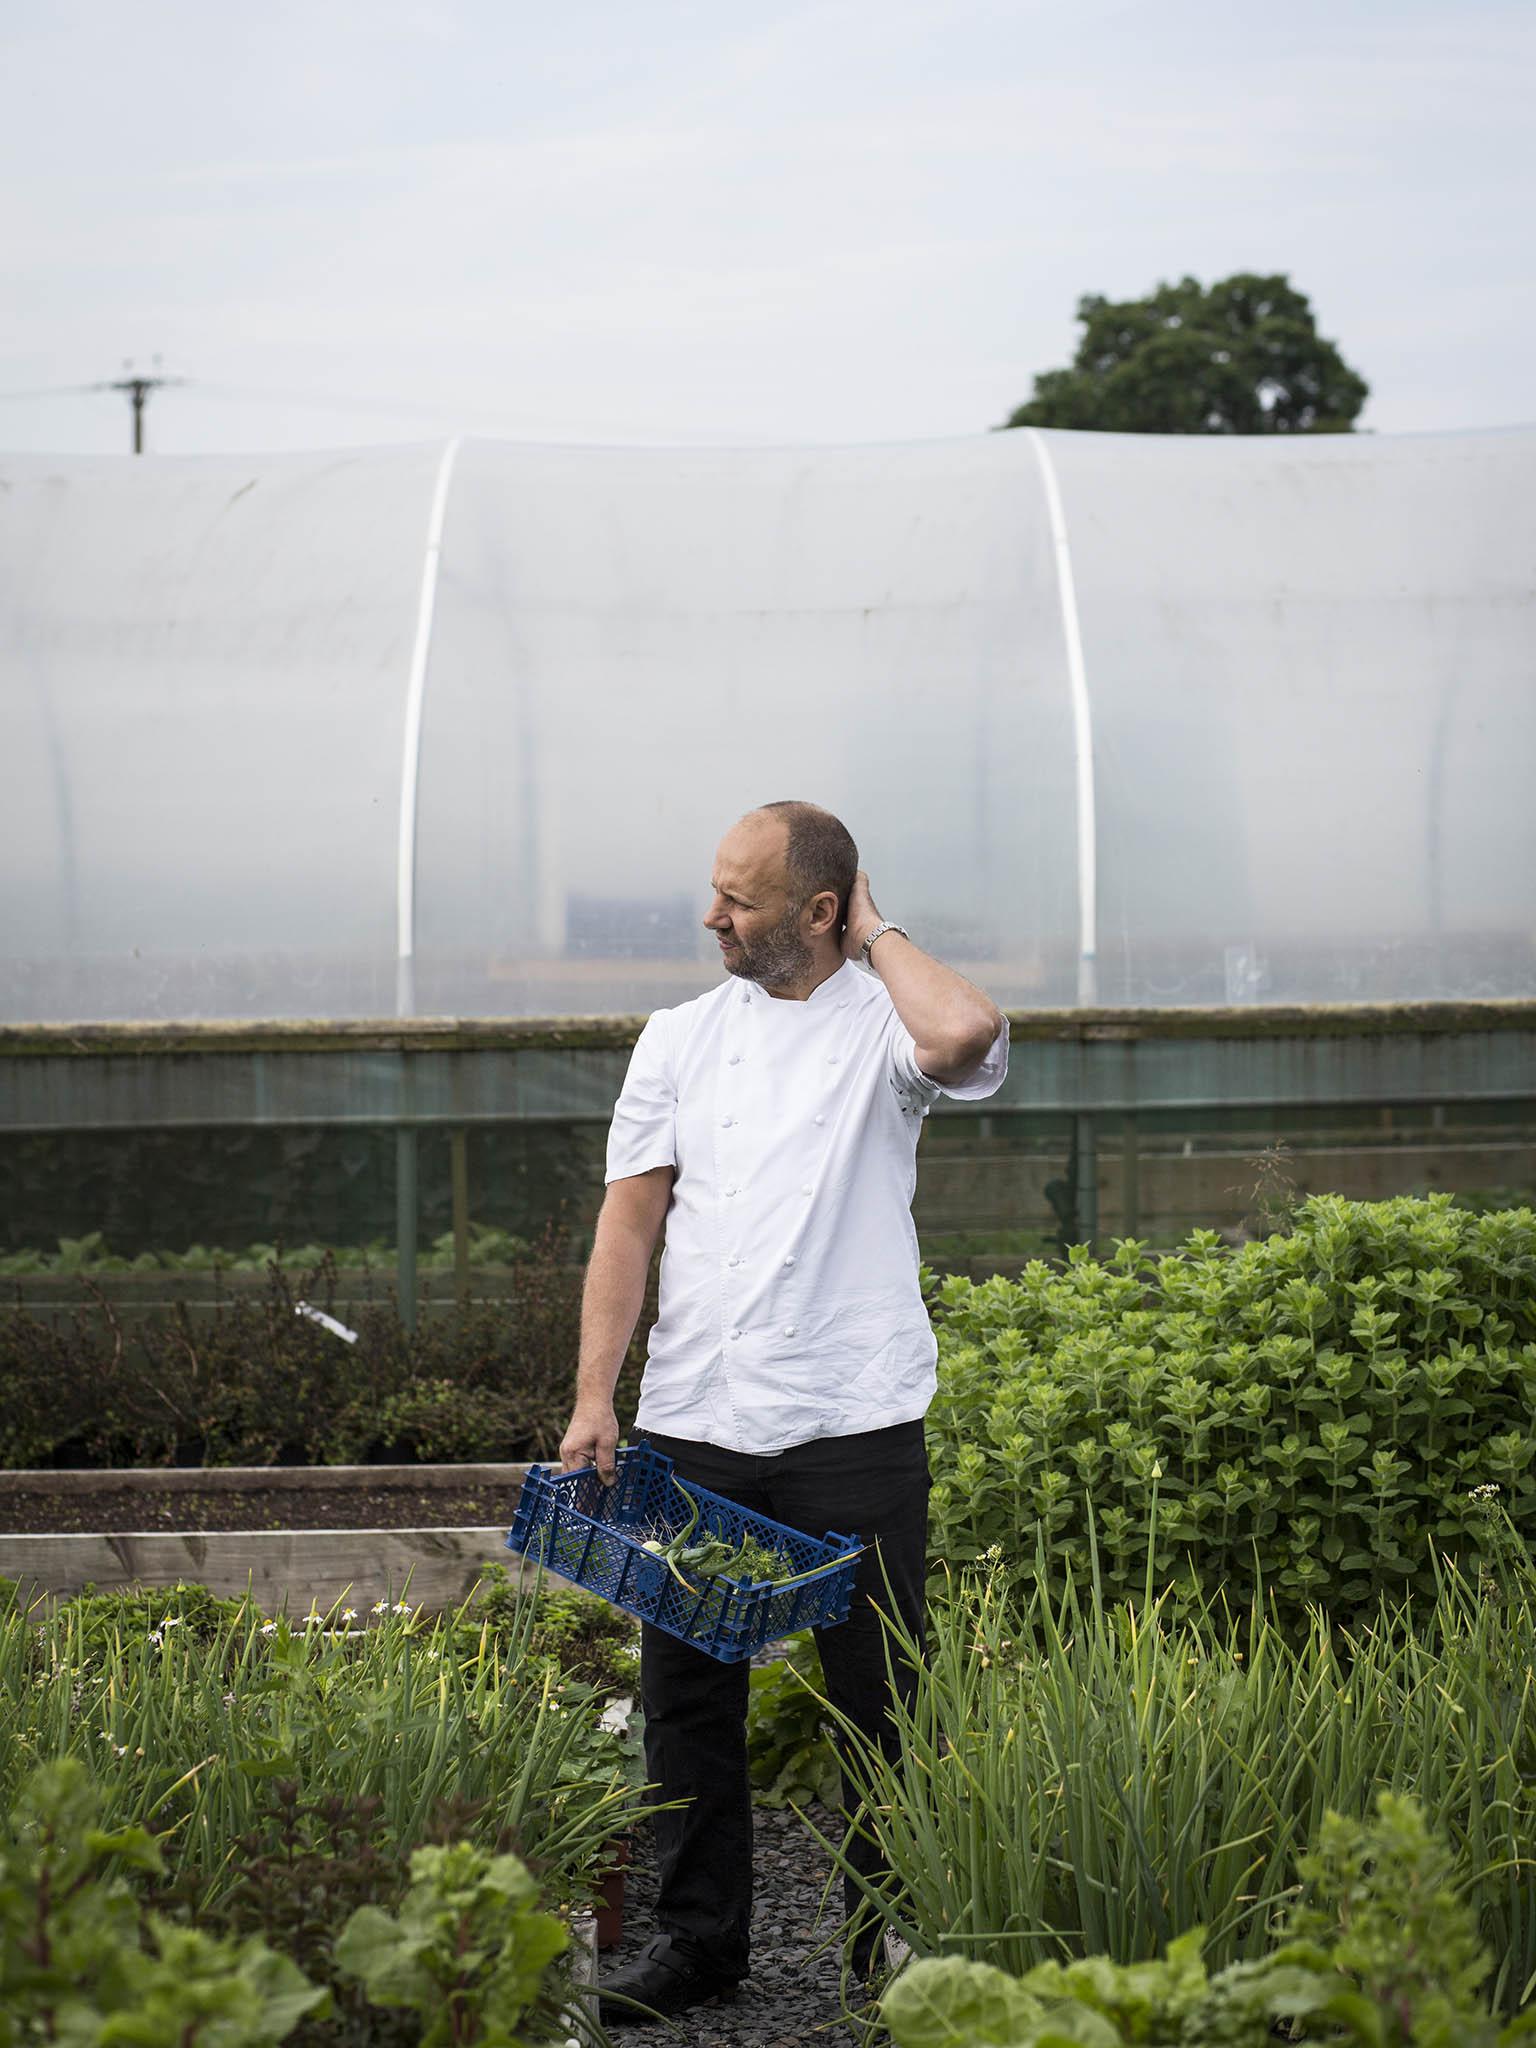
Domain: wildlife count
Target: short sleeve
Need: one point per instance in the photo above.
(643, 1133)
(910, 1080)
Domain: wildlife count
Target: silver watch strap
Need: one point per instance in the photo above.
(885, 926)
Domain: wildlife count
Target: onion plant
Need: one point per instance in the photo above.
(181, 1735)
(1079, 1778)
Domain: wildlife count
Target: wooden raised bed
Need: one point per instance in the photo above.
(431, 1565)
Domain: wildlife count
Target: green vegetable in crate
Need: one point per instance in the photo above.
(713, 1558)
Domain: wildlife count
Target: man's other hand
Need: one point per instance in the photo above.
(591, 1439)
(862, 917)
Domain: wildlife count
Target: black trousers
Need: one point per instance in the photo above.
(874, 1486)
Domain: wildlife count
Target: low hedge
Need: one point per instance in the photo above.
(257, 1384)
(1318, 1413)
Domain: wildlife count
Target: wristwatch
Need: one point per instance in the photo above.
(884, 926)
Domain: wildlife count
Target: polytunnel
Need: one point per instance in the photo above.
(454, 730)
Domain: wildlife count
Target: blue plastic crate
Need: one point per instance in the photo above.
(596, 1535)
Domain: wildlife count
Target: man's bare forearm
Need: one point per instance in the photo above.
(952, 1022)
(611, 1301)
(627, 1228)
(947, 1015)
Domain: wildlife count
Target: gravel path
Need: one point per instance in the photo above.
(791, 1999)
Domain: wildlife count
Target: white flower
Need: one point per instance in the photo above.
(119, 1749)
(229, 1699)
(402, 1607)
(171, 1621)
(312, 1620)
(349, 1614)
(155, 1636)
(269, 1628)
(379, 1607)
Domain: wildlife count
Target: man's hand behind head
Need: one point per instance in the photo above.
(861, 919)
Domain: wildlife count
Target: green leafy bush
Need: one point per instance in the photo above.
(469, 1950)
(80, 1961)
(433, 1421)
(301, 1873)
(1314, 1413)
(1385, 1955)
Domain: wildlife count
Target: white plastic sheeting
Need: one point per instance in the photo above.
(1287, 758)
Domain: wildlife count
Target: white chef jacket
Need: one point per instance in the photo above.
(789, 1303)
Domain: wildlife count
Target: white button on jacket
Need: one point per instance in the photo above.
(830, 1337)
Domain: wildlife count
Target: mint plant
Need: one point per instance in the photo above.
(1316, 1417)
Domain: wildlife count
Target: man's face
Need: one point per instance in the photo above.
(753, 916)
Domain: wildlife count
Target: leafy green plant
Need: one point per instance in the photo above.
(1387, 1957)
(469, 1950)
(80, 1962)
(790, 1757)
(1312, 1413)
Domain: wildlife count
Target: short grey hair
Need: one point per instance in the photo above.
(820, 853)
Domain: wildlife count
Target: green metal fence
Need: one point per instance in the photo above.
(1096, 1074)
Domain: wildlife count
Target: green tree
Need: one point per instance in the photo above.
(1243, 357)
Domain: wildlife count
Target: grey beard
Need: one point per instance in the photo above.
(779, 956)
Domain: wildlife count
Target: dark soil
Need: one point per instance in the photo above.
(384, 1507)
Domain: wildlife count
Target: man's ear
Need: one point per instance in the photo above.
(825, 912)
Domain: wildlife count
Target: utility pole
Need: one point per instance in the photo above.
(138, 390)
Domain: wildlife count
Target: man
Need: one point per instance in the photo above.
(772, 1125)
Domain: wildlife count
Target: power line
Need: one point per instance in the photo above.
(49, 391)
(451, 414)
(323, 401)
(138, 390)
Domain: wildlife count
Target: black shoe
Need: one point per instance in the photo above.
(666, 1976)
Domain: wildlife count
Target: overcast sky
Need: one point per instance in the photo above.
(721, 221)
